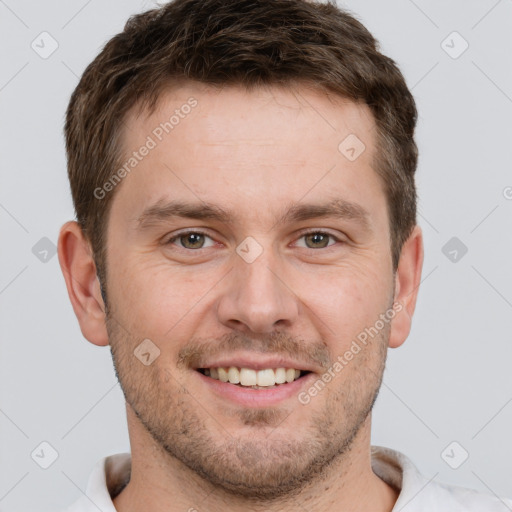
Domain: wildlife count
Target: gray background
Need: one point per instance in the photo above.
(451, 381)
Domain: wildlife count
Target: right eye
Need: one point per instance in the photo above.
(192, 240)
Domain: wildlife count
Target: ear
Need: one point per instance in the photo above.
(407, 282)
(79, 269)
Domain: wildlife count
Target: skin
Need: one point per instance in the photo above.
(255, 154)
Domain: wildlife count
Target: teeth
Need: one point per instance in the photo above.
(266, 377)
(252, 378)
(223, 375)
(248, 377)
(280, 375)
(233, 375)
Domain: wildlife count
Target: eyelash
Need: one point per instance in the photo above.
(301, 235)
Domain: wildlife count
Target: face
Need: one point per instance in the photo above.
(246, 238)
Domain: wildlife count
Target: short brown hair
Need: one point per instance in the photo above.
(236, 42)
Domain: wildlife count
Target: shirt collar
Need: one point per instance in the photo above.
(110, 475)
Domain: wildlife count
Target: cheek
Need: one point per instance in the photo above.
(345, 301)
(162, 301)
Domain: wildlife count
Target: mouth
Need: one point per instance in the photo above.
(267, 378)
(253, 380)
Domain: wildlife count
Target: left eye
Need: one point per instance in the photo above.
(317, 239)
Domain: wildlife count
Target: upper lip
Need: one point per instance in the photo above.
(256, 362)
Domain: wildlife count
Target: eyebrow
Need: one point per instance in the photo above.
(163, 211)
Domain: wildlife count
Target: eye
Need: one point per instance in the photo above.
(190, 240)
(318, 239)
(199, 240)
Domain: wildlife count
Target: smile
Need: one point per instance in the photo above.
(256, 379)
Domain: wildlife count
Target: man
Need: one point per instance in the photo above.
(246, 243)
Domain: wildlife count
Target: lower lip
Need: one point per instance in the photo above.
(249, 397)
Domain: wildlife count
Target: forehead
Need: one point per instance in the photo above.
(249, 149)
(233, 114)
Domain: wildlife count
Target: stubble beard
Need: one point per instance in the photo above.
(269, 463)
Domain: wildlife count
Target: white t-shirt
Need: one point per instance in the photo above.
(417, 493)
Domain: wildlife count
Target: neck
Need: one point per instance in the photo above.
(160, 483)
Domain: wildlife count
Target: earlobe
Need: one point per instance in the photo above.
(408, 277)
(79, 270)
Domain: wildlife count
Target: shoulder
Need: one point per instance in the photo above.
(419, 493)
(106, 479)
(451, 498)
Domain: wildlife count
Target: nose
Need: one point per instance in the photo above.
(257, 297)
